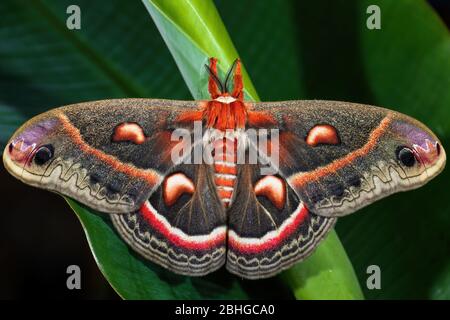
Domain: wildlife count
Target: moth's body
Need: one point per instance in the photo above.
(116, 156)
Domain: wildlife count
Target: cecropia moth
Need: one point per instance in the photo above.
(275, 179)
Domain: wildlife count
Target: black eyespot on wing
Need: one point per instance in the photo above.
(406, 156)
(44, 154)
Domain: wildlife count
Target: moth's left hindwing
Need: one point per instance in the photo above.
(187, 236)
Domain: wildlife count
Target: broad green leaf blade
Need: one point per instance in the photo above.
(197, 23)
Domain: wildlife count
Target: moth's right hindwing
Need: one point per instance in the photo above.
(263, 238)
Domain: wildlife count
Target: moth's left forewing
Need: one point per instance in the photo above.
(108, 154)
(340, 157)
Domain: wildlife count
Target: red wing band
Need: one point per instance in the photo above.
(151, 235)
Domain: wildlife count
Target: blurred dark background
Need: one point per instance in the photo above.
(39, 235)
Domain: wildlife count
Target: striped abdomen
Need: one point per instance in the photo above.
(225, 168)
